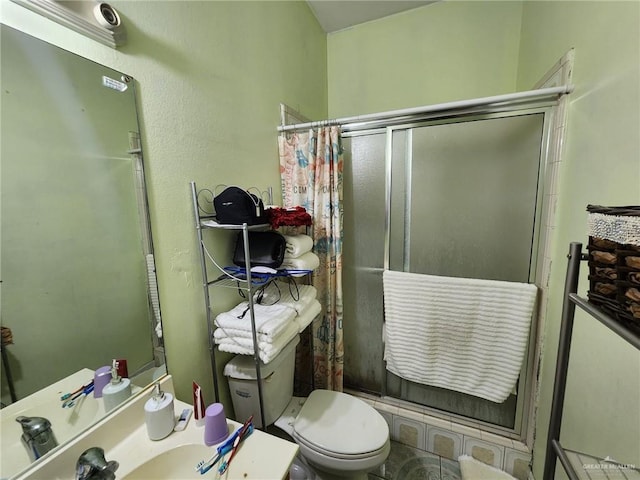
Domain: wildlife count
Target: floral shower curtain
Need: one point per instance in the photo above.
(311, 174)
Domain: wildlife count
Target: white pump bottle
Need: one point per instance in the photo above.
(117, 391)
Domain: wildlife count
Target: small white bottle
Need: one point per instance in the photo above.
(117, 391)
(159, 415)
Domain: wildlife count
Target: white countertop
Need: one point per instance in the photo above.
(123, 437)
(261, 456)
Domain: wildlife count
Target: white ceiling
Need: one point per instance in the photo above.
(338, 14)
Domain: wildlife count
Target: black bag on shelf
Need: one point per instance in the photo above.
(266, 249)
(235, 206)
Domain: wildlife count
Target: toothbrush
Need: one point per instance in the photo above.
(246, 430)
(68, 395)
(204, 466)
(85, 391)
(71, 402)
(222, 450)
(225, 464)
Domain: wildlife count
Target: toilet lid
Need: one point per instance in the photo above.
(339, 423)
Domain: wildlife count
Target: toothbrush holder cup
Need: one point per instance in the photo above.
(215, 428)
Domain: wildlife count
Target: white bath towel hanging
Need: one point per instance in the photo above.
(461, 334)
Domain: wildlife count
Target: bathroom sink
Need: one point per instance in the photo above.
(178, 462)
(123, 436)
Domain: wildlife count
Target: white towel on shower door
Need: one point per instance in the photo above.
(462, 334)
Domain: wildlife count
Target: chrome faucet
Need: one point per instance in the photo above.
(92, 466)
(37, 436)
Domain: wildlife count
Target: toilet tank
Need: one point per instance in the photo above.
(277, 384)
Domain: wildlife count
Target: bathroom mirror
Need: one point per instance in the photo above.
(76, 259)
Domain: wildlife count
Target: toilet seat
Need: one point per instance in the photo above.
(333, 454)
(340, 426)
(351, 468)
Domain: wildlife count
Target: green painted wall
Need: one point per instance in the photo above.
(457, 50)
(601, 166)
(211, 75)
(438, 53)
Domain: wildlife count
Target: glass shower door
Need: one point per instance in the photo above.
(471, 202)
(363, 256)
(463, 200)
(467, 209)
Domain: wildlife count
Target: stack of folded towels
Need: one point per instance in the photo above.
(278, 318)
(298, 254)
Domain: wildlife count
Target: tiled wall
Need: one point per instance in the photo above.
(448, 439)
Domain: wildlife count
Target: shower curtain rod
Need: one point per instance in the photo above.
(440, 107)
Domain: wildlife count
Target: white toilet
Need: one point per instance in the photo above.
(339, 436)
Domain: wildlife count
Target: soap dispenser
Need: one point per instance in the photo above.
(117, 391)
(158, 414)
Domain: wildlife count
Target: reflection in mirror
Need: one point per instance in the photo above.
(78, 276)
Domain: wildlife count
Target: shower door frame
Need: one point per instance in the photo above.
(548, 109)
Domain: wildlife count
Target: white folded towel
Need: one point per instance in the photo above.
(276, 324)
(308, 315)
(300, 321)
(267, 351)
(297, 297)
(297, 245)
(461, 334)
(306, 261)
(224, 333)
(227, 336)
(269, 320)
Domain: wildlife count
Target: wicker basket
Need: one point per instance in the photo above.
(614, 261)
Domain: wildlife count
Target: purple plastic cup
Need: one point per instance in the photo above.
(101, 378)
(215, 424)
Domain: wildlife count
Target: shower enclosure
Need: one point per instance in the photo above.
(458, 195)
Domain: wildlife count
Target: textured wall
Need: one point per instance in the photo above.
(441, 52)
(601, 166)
